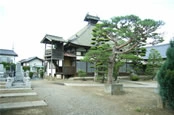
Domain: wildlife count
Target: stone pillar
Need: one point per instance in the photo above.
(19, 73)
(1, 71)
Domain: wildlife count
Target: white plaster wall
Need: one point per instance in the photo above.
(35, 62)
(49, 70)
(12, 58)
(79, 57)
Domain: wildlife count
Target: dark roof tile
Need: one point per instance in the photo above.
(7, 52)
(29, 59)
(49, 38)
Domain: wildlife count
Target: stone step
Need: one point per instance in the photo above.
(15, 91)
(2, 82)
(18, 83)
(3, 79)
(2, 86)
(19, 99)
(19, 105)
(8, 89)
(17, 94)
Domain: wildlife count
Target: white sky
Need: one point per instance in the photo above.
(24, 23)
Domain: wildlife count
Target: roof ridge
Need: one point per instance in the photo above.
(157, 45)
(6, 49)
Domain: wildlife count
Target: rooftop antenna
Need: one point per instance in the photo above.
(13, 46)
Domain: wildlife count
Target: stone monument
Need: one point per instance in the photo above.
(2, 72)
(18, 81)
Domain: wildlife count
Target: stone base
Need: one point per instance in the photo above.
(3, 79)
(114, 89)
(21, 85)
(11, 83)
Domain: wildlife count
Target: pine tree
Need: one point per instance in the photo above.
(98, 57)
(166, 77)
(130, 29)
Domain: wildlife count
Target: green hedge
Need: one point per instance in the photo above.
(166, 78)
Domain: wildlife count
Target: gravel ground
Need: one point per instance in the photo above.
(68, 100)
(63, 100)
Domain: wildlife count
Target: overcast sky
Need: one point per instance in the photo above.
(24, 23)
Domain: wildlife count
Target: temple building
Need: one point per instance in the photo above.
(64, 57)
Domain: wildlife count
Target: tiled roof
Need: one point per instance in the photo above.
(29, 59)
(49, 38)
(160, 48)
(83, 37)
(7, 52)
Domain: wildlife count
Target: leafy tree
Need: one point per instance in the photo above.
(130, 29)
(154, 62)
(166, 77)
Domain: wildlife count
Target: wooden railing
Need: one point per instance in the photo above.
(48, 52)
(54, 54)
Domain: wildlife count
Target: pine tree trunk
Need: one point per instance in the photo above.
(110, 72)
(95, 76)
(111, 66)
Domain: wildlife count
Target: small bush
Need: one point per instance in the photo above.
(81, 73)
(134, 78)
(41, 74)
(100, 79)
(138, 109)
(30, 74)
